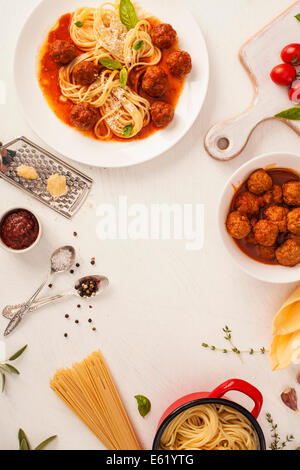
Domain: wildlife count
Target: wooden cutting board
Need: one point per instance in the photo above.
(259, 55)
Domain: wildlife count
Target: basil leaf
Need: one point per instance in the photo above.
(18, 354)
(128, 14)
(298, 17)
(138, 45)
(23, 441)
(43, 444)
(9, 368)
(127, 130)
(123, 78)
(79, 24)
(3, 381)
(111, 64)
(144, 405)
(292, 114)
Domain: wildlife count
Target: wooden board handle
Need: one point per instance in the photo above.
(227, 140)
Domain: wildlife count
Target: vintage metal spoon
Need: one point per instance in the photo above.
(61, 261)
(10, 310)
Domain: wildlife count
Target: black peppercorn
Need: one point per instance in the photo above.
(67, 316)
(66, 335)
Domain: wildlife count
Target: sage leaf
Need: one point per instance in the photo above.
(43, 444)
(128, 14)
(79, 24)
(138, 45)
(10, 369)
(144, 405)
(127, 130)
(111, 64)
(292, 114)
(123, 78)
(298, 17)
(3, 381)
(18, 354)
(23, 441)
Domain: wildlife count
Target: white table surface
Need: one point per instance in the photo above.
(164, 301)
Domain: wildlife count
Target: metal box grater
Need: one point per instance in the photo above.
(22, 151)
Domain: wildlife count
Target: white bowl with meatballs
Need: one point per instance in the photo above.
(259, 217)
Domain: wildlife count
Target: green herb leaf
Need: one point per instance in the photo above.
(123, 78)
(128, 14)
(138, 45)
(111, 64)
(292, 114)
(18, 354)
(127, 130)
(79, 24)
(43, 444)
(23, 441)
(10, 369)
(298, 17)
(295, 60)
(144, 405)
(3, 381)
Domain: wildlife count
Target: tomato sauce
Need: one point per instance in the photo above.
(48, 75)
(19, 229)
(280, 176)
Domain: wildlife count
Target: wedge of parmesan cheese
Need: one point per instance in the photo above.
(57, 186)
(27, 172)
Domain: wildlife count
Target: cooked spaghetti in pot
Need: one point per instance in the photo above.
(209, 427)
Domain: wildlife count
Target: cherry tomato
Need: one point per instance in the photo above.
(283, 74)
(291, 54)
(294, 92)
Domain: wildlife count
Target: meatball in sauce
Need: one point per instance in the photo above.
(270, 201)
(163, 36)
(62, 52)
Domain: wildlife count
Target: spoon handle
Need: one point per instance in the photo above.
(23, 310)
(10, 310)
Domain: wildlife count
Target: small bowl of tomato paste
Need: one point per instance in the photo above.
(20, 230)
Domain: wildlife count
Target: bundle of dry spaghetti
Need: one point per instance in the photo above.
(89, 391)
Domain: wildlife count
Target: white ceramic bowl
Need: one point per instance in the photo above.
(31, 246)
(263, 272)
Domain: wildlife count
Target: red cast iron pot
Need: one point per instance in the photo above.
(217, 398)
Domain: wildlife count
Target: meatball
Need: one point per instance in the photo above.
(274, 196)
(163, 36)
(260, 182)
(179, 63)
(288, 254)
(62, 52)
(238, 225)
(267, 252)
(247, 203)
(293, 221)
(162, 113)
(85, 73)
(84, 116)
(266, 233)
(155, 81)
(291, 193)
(278, 215)
(251, 239)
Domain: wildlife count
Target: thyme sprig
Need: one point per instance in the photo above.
(25, 445)
(276, 443)
(8, 368)
(233, 349)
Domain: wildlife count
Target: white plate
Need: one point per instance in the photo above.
(263, 272)
(78, 147)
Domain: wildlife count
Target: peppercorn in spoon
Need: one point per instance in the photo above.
(99, 285)
(61, 261)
